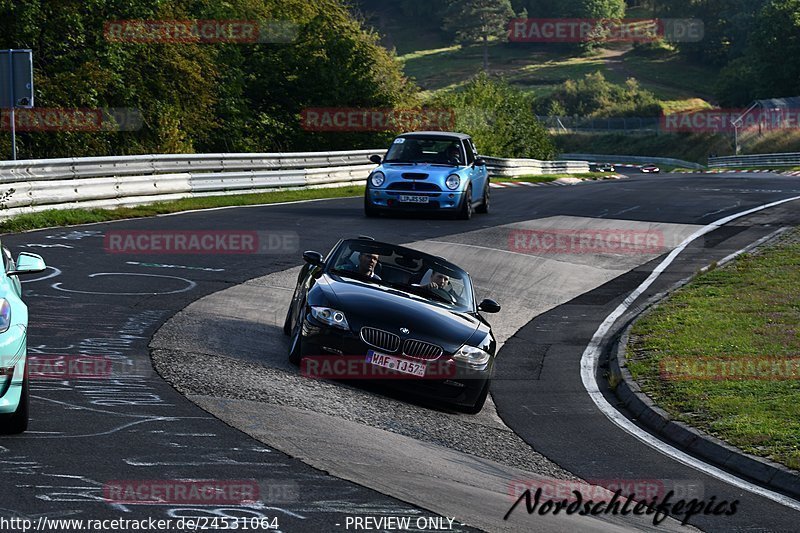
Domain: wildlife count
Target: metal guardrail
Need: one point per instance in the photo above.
(35, 185)
(520, 167)
(633, 159)
(756, 160)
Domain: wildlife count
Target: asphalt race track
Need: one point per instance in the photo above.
(217, 340)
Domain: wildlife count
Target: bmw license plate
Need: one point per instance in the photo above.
(414, 368)
(414, 199)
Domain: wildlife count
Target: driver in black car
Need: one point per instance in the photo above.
(440, 284)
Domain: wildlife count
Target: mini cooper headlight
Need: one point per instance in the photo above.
(329, 316)
(5, 315)
(453, 181)
(472, 356)
(377, 179)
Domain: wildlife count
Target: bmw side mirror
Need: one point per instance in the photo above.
(489, 306)
(312, 258)
(480, 162)
(28, 263)
(375, 159)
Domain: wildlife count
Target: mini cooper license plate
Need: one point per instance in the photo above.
(414, 199)
(414, 368)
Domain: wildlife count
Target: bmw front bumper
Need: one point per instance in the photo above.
(460, 386)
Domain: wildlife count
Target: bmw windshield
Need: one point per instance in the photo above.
(413, 273)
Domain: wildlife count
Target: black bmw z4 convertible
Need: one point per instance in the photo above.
(377, 311)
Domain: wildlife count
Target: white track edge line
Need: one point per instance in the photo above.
(592, 352)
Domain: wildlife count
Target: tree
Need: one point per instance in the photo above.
(768, 68)
(477, 20)
(726, 23)
(499, 117)
(193, 96)
(775, 47)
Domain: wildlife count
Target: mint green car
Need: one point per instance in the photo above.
(14, 379)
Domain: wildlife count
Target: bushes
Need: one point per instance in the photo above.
(593, 96)
(499, 117)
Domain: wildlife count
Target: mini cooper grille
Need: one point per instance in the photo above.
(421, 350)
(415, 176)
(413, 186)
(382, 340)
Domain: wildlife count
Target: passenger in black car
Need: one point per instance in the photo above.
(366, 265)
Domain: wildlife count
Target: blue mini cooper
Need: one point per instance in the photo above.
(429, 171)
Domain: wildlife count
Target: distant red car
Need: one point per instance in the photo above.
(650, 169)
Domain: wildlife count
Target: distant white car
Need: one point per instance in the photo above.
(605, 167)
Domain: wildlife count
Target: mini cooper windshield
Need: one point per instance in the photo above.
(401, 269)
(431, 150)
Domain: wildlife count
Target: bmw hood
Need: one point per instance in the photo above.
(389, 309)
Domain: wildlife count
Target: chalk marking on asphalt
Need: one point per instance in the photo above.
(164, 265)
(55, 272)
(626, 210)
(190, 285)
(592, 353)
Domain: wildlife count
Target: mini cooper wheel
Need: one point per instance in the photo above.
(484, 207)
(465, 212)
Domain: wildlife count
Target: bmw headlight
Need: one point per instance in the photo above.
(472, 356)
(377, 179)
(329, 316)
(5, 315)
(453, 181)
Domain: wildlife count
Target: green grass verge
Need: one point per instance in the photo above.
(71, 217)
(533, 69)
(745, 311)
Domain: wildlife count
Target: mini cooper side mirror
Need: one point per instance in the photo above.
(375, 159)
(489, 306)
(480, 162)
(312, 258)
